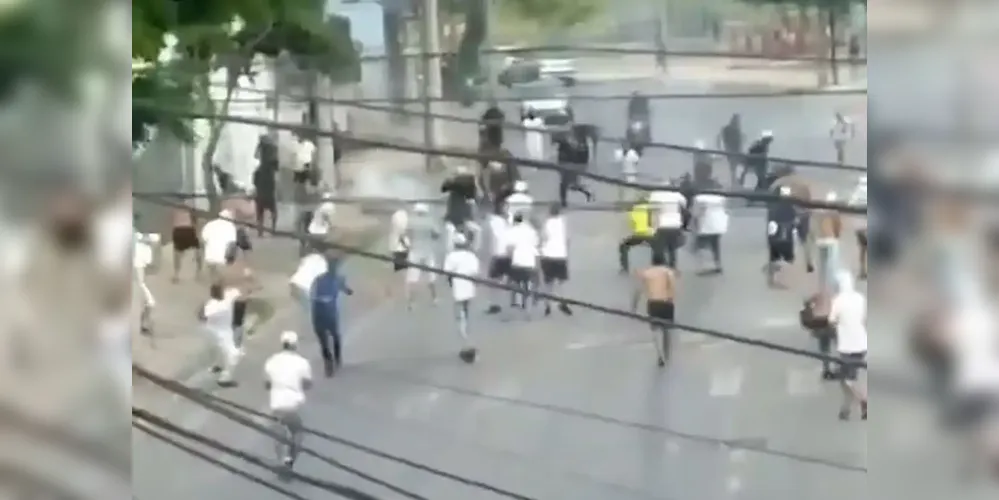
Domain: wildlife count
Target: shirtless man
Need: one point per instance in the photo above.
(244, 211)
(184, 234)
(658, 284)
(238, 280)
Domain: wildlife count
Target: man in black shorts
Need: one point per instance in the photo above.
(658, 284)
(265, 196)
(555, 256)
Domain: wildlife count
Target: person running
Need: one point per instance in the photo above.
(780, 236)
(731, 140)
(642, 233)
(184, 236)
(534, 136)
(828, 230)
(555, 257)
(310, 266)
(848, 313)
(325, 297)
(399, 246)
(574, 158)
(216, 315)
(668, 209)
(423, 239)
(711, 220)
(321, 224)
(628, 158)
(658, 284)
(801, 190)
(841, 133)
(523, 248)
(287, 377)
(237, 279)
(499, 263)
(218, 235)
(461, 191)
(757, 160)
(462, 261)
(814, 317)
(520, 202)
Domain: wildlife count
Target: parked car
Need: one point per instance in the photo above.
(520, 70)
(548, 102)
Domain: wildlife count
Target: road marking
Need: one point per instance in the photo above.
(726, 382)
(804, 381)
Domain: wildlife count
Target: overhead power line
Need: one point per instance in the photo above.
(613, 140)
(464, 154)
(543, 295)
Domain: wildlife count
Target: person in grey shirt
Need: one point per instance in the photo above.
(424, 242)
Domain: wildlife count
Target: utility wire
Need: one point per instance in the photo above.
(154, 420)
(226, 409)
(528, 162)
(614, 140)
(320, 243)
(190, 450)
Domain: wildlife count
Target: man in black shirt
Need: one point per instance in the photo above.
(265, 195)
(782, 219)
(491, 128)
(461, 195)
(574, 155)
(757, 160)
(731, 140)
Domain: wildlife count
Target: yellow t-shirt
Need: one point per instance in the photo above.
(640, 220)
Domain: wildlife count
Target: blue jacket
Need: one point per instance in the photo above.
(326, 290)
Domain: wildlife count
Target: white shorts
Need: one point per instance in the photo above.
(414, 275)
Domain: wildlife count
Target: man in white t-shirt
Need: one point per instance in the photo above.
(711, 219)
(424, 237)
(309, 268)
(534, 136)
(499, 250)
(523, 243)
(305, 153)
(142, 258)
(217, 236)
(519, 202)
(555, 256)
(322, 219)
(398, 243)
(462, 261)
(287, 377)
(628, 158)
(842, 132)
(848, 314)
(216, 315)
(667, 215)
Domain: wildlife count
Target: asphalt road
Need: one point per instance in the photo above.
(575, 407)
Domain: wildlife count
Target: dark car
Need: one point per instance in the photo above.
(639, 120)
(517, 71)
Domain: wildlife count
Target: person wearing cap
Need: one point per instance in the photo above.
(828, 225)
(424, 239)
(756, 160)
(519, 201)
(462, 261)
(287, 377)
(325, 298)
(781, 227)
(217, 236)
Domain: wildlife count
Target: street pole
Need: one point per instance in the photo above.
(488, 45)
(431, 76)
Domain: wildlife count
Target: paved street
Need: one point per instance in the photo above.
(574, 407)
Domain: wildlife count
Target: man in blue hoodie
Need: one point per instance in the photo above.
(326, 312)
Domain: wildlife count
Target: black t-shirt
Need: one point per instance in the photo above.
(785, 216)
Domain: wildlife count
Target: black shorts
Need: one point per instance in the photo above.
(243, 240)
(499, 268)
(554, 270)
(666, 238)
(521, 275)
(850, 371)
(265, 204)
(661, 309)
(185, 238)
(782, 251)
(400, 260)
(238, 313)
(972, 409)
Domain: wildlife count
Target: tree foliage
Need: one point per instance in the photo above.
(555, 13)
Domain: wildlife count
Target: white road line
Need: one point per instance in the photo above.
(726, 382)
(804, 381)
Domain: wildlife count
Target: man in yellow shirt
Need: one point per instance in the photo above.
(640, 221)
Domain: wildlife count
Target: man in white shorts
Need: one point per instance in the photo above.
(424, 238)
(287, 376)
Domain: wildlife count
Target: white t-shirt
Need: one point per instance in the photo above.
(669, 206)
(499, 229)
(523, 240)
(287, 372)
(218, 312)
(397, 231)
(142, 254)
(218, 235)
(519, 203)
(320, 223)
(304, 154)
(465, 263)
(555, 240)
(629, 164)
(711, 214)
(309, 268)
(536, 124)
(849, 313)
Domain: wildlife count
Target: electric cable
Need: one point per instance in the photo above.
(226, 408)
(320, 243)
(190, 450)
(344, 491)
(527, 162)
(513, 126)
